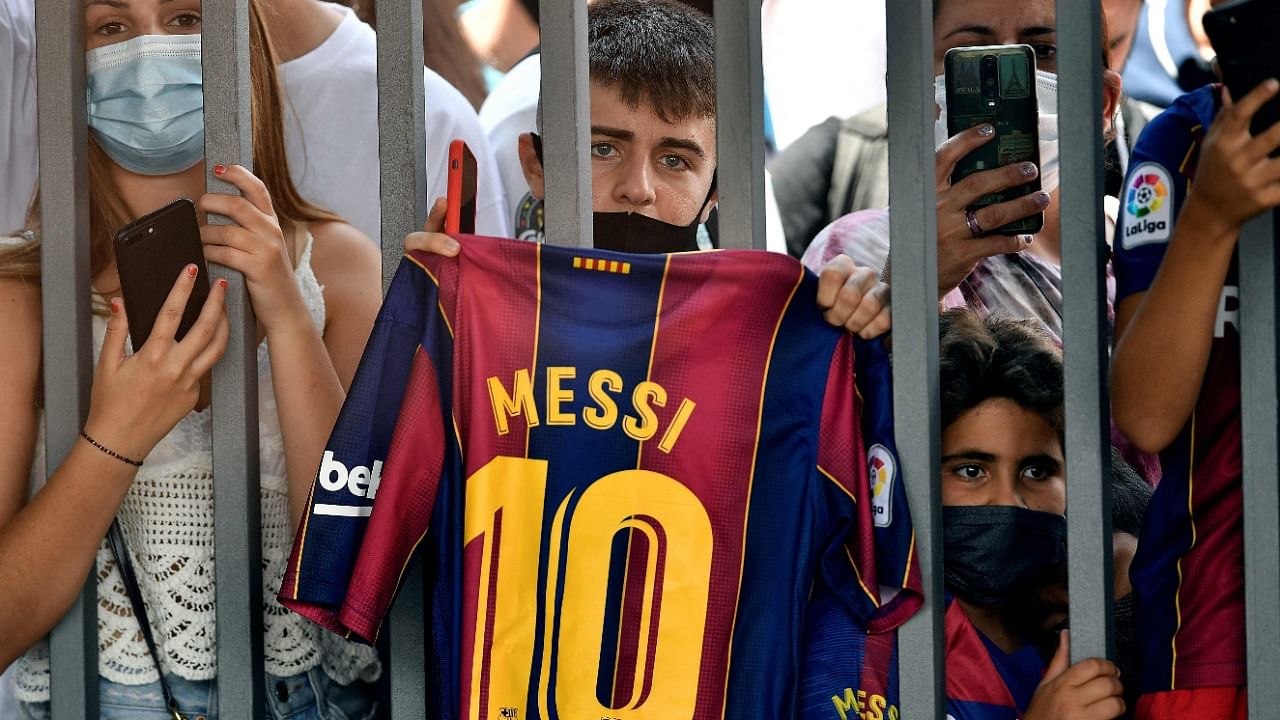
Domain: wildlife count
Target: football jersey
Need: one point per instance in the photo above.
(1188, 573)
(625, 473)
(847, 672)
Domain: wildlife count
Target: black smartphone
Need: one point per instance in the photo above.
(150, 253)
(1243, 33)
(461, 216)
(996, 84)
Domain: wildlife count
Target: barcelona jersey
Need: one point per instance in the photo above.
(1188, 574)
(625, 474)
(850, 675)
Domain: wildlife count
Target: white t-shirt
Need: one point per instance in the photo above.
(510, 111)
(18, 159)
(331, 132)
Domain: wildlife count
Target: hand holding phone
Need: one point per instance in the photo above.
(461, 216)
(996, 85)
(150, 252)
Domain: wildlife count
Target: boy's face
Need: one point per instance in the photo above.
(1000, 453)
(641, 163)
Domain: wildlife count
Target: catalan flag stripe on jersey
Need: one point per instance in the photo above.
(624, 482)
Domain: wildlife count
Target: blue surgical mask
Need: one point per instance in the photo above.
(146, 102)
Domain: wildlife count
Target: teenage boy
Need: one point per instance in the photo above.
(653, 149)
(1176, 388)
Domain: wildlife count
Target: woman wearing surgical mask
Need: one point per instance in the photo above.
(145, 454)
(1004, 530)
(1018, 275)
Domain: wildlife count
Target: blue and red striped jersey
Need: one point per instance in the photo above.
(625, 473)
(1188, 573)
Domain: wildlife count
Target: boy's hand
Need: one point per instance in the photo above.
(1236, 178)
(1088, 690)
(432, 238)
(854, 298)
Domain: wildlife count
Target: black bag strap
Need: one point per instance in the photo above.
(115, 539)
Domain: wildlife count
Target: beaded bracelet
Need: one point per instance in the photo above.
(109, 451)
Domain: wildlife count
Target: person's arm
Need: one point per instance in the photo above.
(47, 548)
(309, 384)
(1164, 335)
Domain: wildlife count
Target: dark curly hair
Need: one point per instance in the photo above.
(993, 357)
(659, 53)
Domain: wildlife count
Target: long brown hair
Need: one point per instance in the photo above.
(107, 209)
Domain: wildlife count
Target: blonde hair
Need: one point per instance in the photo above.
(107, 209)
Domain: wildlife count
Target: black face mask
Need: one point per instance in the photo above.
(992, 551)
(636, 233)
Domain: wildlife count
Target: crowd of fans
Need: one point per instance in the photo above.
(305, 235)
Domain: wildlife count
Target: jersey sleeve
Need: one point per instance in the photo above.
(871, 563)
(1153, 194)
(343, 560)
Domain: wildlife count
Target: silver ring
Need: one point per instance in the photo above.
(971, 219)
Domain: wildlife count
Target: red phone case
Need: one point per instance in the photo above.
(461, 217)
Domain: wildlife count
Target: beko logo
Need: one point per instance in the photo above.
(360, 481)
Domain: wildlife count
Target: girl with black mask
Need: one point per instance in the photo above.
(1004, 530)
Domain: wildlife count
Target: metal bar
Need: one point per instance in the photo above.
(913, 260)
(566, 102)
(401, 128)
(1259, 411)
(403, 183)
(236, 491)
(66, 315)
(740, 124)
(1085, 338)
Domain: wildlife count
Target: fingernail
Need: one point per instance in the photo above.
(219, 170)
(222, 282)
(986, 130)
(453, 245)
(115, 305)
(192, 271)
(1042, 200)
(1273, 84)
(1028, 169)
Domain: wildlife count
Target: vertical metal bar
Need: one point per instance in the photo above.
(1085, 338)
(66, 317)
(401, 128)
(566, 99)
(403, 180)
(236, 499)
(1259, 352)
(913, 259)
(740, 124)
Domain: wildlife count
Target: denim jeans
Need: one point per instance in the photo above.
(307, 696)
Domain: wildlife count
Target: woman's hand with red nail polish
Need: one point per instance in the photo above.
(137, 399)
(254, 245)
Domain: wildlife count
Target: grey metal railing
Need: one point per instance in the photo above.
(64, 194)
(68, 349)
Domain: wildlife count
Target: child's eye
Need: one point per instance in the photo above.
(603, 150)
(674, 162)
(968, 472)
(111, 28)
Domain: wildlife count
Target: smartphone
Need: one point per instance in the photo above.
(996, 84)
(150, 253)
(461, 217)
(1243, 33)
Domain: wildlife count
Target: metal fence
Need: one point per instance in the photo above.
(64, 192)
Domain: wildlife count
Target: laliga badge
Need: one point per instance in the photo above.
(883, 471)
(1148, 207)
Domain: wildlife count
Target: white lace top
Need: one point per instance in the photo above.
(167, 519)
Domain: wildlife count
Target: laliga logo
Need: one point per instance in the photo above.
(883, 471)
(1147, 196)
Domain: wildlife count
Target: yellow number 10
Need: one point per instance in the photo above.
(505, 501)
